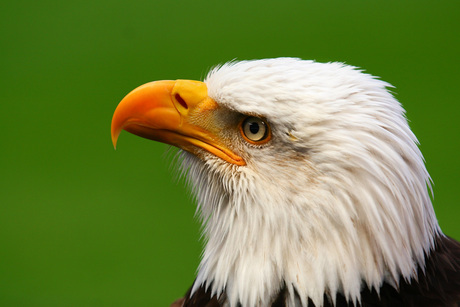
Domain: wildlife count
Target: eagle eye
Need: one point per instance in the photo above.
(255, 130)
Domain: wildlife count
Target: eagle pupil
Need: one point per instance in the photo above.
(254, 127)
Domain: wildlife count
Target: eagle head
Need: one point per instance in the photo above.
(306, 176)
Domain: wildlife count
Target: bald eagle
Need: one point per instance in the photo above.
(309, 184)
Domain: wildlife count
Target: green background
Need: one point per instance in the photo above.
(84, 225)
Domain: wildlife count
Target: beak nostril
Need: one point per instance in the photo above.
(181, 101)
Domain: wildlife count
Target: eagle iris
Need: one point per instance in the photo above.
(255, 130)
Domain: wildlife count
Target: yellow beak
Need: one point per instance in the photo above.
(172, 112)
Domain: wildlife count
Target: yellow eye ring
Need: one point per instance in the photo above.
(255, 130)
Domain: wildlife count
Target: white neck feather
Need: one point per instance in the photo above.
(342, 236)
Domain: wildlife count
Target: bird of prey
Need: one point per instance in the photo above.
(309, 183)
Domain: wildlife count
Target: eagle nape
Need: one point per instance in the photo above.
(309, 181)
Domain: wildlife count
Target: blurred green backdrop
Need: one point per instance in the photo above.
(84, 225)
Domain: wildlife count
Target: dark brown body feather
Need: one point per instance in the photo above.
(438, 285)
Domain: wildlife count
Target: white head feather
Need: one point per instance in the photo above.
(335, 202)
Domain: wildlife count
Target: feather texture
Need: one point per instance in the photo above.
(436, 285)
